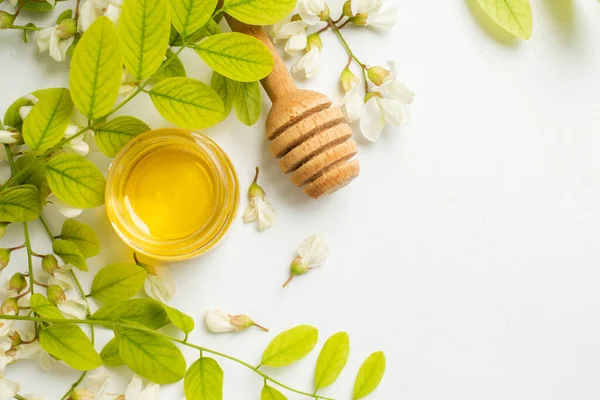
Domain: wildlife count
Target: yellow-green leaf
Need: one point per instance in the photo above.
(147, 312)
(116, 133)
(332, 360)
(187, 103)
(369, 376)
(180, 319)
(110, 354)
(75, 180)
(246, 102)
(43, 307)
(211, 28)
(237, 56)
(170, 68)
(270, 393)
(190, 15)
(144, 30)
(290, 346)
(35, 175)
(204, 380)
(117, 282)
(512, 15)
(12, 116)
(68, 343)
(259, 12)
(20, 204)
(152, 357)
(96, 73)
(47, 122)
(83, 236)
(225, 88)
(70, 254)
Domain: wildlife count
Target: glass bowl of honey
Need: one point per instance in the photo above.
(172, 194)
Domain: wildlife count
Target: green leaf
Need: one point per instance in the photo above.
(290, 346)
(152, 357)
(187, 103)
(12, 117)
(259, 12)
(332, 360)
(110, 354)
(35, 176)
(188, 16)
(83, 236)
(171, 67)
(369, 376)
(270, 393)
(113, 135)
(70, 253)
(147, 312)
(37, 6)
(237, 56)
(181, 320)
(211, 28)
(144, 28)
(20, 204)
(76, 180)
(204, 380)
(117, 282)
(67, 14)
(247, 102)
(47, 122)
(96, 71)
(225, 88)
(68, 343)
(512, 15)
(42, 306)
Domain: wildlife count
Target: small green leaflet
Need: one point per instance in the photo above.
(187, 103)
(237, 56)
(70, 254)
(512, 15)
(151, 356)
(147, 312)
(369, 376)
(76, 180)
(35, 176)
(67, 14)
(204, 380)
(116, 133)
(290, 346)
(188, 16)
(225, 88)
(270, 393)
(12, 117)
(211, 28)
(20, 204)
(37, 6)
(117, 282)
(68, 343)
(96, 70)
(83, 236)
(259, 12)
(246, 102)
(170, 68)
(332, 360)
(110, 354)
(181, 320)
(47, 122)
(42, 306)
(144, 28)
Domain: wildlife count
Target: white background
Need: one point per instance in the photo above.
(468, 248)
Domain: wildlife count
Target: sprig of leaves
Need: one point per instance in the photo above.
(514, 16)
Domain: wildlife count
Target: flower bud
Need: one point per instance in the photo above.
(6, 20)
(81, 394)
(10, 137)
(49, 264)
(56, 294)
(360, 19)
(326, 13)
(3, 226)
(348, 80)
(296, 17)
(221, 322)
(67, 28)
(347, 9)
(378, 75)
(4, 258)
(17, 282)
(15, 339)
(10, 306)
(314, 40)
(255, 190)
(370, 95)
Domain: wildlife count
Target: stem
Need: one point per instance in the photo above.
(47, 228)
(74, 385)
(123, 324)
(363, 67)
(77, 10)
(25, 28)
(19, 397)
(29, 256)
(288, 281)
(19, 8)
(344, 24)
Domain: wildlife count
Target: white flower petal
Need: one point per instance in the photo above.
(313, 250)
(31, 98)
(218, 321)
(266, 214)
(87, 15)
(152, 392)
(62, 279)
(113, 13)
(352, 104)
(372, 121)
(4, 361)
(73, 308)
(310, 63)
(160, 287)
(80, 148)
(28, 351)
(43, 38)
(134, 389)
(384, 19)
(24, 111)
(309, 10)
(8, 389)
(296, 43)
(6, 137)
(251, 213)
(47, 362)
(290, 29)
(65, 209)
(393, 111)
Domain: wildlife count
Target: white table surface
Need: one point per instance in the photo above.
(467, 250)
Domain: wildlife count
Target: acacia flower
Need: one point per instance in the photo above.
(294, 31)
(8, 389)
(372, 13)
(77, 145)
(71, 306)
(259, 208)
(5, 359)
(352, 103)
(66, 210)
(56, 40)
(313, 11)
(136, 391)
(310, 63)
(222, 322)
(159, 284)
(311, 253)
(93, 9)
(8, 137)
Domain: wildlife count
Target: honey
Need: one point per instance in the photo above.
(171, 194)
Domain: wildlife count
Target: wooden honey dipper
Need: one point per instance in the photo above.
(308, 135)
